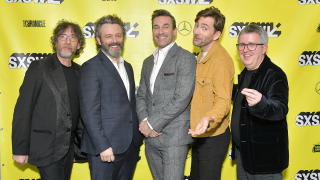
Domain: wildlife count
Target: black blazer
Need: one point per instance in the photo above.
(263, 127)
(41, 126)
(108, 115)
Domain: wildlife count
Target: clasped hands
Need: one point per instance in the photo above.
(146, 131)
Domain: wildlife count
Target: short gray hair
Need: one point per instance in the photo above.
(253, 28)
(109, 19)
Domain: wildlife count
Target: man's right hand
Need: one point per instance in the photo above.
(107, 155)
(20, 159)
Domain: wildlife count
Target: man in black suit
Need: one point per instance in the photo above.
(47, 110)
(107, 103)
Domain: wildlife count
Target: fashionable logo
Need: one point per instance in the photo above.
(308, 175)
(309, 58)
(21, 60)
(89, 29)
(307, 2)
(318, 88)
(179, 2)
(316, 148)
(36, 1)
(308, 119)
(184, 28)
(318, 29)
(236, 27)
(34, 23)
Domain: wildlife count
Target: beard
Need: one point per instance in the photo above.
(113, 53)
(67, 55)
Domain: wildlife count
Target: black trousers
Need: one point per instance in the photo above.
(208, 155)
(122, 169)
(60, 170)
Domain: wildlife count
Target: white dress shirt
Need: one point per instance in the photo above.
(122, 72)
(159, 56)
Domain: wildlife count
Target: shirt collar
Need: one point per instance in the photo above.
(120, 58)
(164, 50)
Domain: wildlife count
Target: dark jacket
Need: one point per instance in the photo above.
(41, 126)
(109, 116)
(263, 127)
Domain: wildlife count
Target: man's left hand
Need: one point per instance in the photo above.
(145, 129)
(202, 126)
(253, 97)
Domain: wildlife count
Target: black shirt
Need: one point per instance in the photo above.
(72, 84)
(235, 120)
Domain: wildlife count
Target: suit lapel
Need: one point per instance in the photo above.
(60, 83)
(107, 64)
(130, 77)
(167, 61)
(150, 64)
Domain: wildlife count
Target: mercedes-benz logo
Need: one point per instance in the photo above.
(184, 28)
(318, 88)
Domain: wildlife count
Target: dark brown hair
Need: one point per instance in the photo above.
(162, 12)
(219, 19)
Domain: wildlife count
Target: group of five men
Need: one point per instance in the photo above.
(180, 100)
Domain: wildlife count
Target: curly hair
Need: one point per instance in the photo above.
(109, 19)
(61, 26)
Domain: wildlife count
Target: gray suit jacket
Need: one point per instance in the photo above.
(168, 108)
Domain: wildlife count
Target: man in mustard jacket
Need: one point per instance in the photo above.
(211, 100)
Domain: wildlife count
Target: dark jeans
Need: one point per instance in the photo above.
(60, 170)
(208, 155)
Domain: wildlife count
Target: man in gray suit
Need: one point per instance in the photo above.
(163, 100)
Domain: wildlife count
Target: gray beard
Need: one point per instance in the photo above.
(65, 55)
(111, 53)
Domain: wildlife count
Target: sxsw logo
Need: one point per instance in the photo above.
(308, 175)
(307, 2)
(308, 119)
(179, 2)
(316, 148)
(236, 27)
(309, 58)
(89, 29)
(36, 1)
(21, 60)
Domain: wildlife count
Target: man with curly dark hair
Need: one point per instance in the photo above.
(47, 110)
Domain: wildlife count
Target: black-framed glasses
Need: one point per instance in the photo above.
(64, 37)
(250, 46)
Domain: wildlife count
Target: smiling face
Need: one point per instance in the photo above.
(65, 47)
(204, 35)
(111, 39)
(163, 33)
(252, 59)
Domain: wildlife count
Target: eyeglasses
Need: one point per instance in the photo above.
(64, 37)
(250, 46)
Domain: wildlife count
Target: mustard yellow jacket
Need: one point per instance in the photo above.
(213, 90)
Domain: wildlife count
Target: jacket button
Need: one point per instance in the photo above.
(153, 104)
(68, 130)
(68, 114)
(202, 81)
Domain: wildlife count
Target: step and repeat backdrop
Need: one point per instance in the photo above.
(294, 45)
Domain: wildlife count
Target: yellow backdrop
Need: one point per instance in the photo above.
(294, 45)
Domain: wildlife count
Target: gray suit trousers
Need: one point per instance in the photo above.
(166, 163)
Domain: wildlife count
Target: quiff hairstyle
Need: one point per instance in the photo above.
(162, 12)
(219, 19)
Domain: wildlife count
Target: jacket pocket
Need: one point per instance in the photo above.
(265, 149)
(205, 87)
(42, 131)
